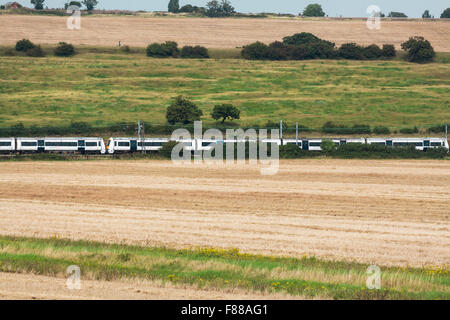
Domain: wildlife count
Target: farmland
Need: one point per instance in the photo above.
(318, 224)
(104, 89)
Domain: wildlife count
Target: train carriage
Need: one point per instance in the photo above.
(7, 145)
(61, 145)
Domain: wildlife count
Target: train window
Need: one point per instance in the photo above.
(28, 144)
(315, 144)
(436, 144)
(61, 144)
(5, 144)
(151, 144)
(91, 144)
(206, 144)
(123, 144)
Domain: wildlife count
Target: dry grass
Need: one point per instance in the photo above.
(213, 33)
(385, 212)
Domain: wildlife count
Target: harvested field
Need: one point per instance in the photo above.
(213, 33)
(384, 212)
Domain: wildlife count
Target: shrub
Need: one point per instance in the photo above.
(182, 111)
(255, 51)
(372, 52)
(64, 50)
(36, 52)
(330, 127)
(328, 146)
(437, 129)
(409, 130)
(224, 112)
(166, 150)
(163, 50)
(277, 51)
(394, 14)
(381, 130)
(351, 51)
(194, 52)
(418, 50)
(388, 51)
(292, 151)
(24, 45)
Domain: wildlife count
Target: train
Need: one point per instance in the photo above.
(95, 145)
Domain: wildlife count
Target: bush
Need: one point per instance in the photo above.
(166, 150)
(388, 51)
(197, 52)
(163, 50)
(182, 111)
(36, 52)
(255, 51)
(292, 151)
(224, 112)
(330, 127)
(394, 14)
(24, 45)
(372, 52)
(437, 129)
(64, 50)
(215, 8)
(409, 130)
(351, 51)
(418, 50)
(381, 130)
(328, 146)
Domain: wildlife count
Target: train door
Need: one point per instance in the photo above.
(133, 145)
(81, 146)
(426, 144)
(41, 145)
(342, 142)
(389, 143)
(305, 145)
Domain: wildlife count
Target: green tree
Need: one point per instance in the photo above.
(90, 4)
(215, 8)
(313, 10)
(224, 112)
(72, 3)
(38, 4)
(182, 110)
(418, 50)
(394, 14)
(426, 14)
(446, 13)
(174, 6)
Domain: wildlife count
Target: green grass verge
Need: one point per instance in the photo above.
(104, 89)
(220, 269)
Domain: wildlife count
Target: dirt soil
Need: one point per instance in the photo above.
(384, 212)
(213, 33)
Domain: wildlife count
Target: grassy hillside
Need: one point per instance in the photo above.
(220, 269)
(103, 89)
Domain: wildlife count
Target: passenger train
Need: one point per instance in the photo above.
(129, 145)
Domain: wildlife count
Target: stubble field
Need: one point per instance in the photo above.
(390, 213)
(214, 33)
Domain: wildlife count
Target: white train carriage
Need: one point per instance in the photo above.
(418, 143)
(130, 145)
(61, 145)
(7, 145)
(316, 144)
